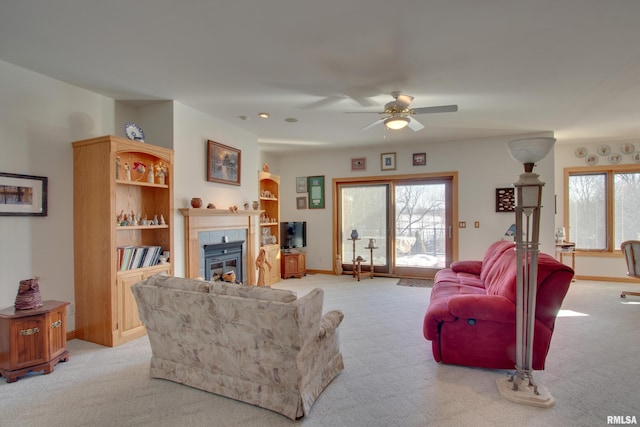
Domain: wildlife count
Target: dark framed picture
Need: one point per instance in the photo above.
(359, 164)
(23, 195)
(419, 159)
(301, 184)
(316, 192)
(505, 199)
(301, 202)
(223, 163)
(388, 161)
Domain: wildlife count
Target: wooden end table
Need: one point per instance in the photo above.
(32, 340)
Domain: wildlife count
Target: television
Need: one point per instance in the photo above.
(293, 235)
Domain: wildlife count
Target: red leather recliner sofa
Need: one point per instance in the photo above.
(471, 317)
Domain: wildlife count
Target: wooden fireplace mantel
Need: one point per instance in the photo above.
(197, 220)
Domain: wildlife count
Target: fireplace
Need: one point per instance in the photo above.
(210, 226)
(221, 258)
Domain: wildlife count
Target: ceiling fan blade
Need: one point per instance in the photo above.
(415, 125)
(440, 109)
(326, 101)
(377, 122)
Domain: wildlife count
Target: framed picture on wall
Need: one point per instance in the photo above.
(301, 184)
(223, 163)
(419, 159)
(359, 164)
(388, 161)
(316, 192)
(505, 199)
(301, 202)
(23, 195)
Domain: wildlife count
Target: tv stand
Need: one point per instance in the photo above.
(293, 264)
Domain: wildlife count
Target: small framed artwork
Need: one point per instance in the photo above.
(388, 161)
(419, 159)
(316, 192)
(359, 164)
(23, 195)
(223, 163)
(301, 184)
(505, 199)
(301, 202)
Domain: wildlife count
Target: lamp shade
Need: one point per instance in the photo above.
(530, 150)
(396, 123)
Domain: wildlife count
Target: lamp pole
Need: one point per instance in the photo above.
(521, 387)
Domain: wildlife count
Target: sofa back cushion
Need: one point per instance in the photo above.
(492, 254)
(261, 293)
(164, 281)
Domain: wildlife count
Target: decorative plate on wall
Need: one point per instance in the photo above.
(636, 157)
(134, 132)
(581, 152)
(591, 159)
(615, 158)
(627, 148)
(604, 150)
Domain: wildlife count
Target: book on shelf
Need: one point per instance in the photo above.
(132, 257)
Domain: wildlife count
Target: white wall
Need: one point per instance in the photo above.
(192, 129)
(482, 165)
(39, 118)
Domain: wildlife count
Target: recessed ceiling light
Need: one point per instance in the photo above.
(264, 115)
(243, 117)
(291, 120)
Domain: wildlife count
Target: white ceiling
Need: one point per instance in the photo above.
(512, 66)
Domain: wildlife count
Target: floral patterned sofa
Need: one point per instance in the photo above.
(263, 346)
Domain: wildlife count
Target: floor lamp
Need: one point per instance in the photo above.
(520, 387)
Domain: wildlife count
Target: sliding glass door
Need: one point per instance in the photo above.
(422, 227)
(365, 208)
(410, 222)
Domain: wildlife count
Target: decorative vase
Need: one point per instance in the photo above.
(196, 202)
(354, 234)
(372, 243)
(256, 205)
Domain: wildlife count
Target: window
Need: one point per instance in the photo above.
(602, 206)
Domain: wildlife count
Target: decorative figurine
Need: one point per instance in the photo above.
(127, 172)
(261, 265)
(161, 172)
(117, 167)
(150, 177)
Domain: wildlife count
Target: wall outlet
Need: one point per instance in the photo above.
(462, 224)
(476, 224)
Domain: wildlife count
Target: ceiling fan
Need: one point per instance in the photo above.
(398, 114)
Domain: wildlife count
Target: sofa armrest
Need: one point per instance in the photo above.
(495, 308)
(471, 267)
(330, 321)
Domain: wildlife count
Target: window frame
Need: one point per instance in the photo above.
(610, 171)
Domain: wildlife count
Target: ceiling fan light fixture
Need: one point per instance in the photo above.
(396, 123)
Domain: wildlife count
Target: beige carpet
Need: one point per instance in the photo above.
(390, 378)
